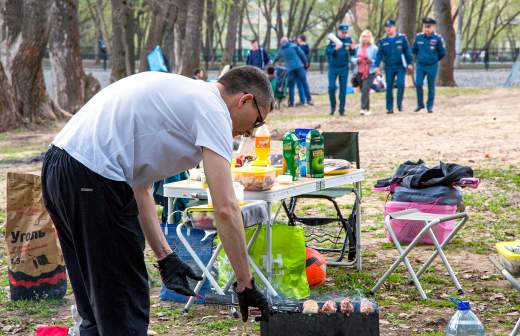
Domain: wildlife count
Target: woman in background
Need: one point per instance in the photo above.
(364, 58)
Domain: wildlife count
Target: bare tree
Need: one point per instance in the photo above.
(267, 7)
(72, 87)
(9, 118)
(407, 17)
(118, 59)
(231, 34)
(160, 19)
(332, 21)
(191, 54)
(442, 10)
(209, 32)
(180, 31)
(24, 32)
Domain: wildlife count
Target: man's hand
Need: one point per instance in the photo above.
(409, 68)
(251, 297)
(339, 46)
(175, 274)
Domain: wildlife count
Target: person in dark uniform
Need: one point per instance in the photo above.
(428, 49)
(302, 44)
(338, 56)
(394, 51)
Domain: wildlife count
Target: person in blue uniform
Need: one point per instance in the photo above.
(302, 44)
(428, 49)
(338, 56)
(395, 52)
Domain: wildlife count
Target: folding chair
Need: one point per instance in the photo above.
(429, 220)
(261, 212)
(514, 282)
(338, 145)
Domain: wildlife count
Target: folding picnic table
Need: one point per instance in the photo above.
(195, 189)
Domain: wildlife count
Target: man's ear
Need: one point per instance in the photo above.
(245, 99)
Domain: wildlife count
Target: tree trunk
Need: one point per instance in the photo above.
(191, 55)
(442, 11)
(208, 44)
(240, 26)
(180, 32)
(118, 41)
(9, 118)
(24, 32)
(231, 34)
(279, 22)
(161, 13)
(69, 80)
(407, 15)
(103, 25)
(458, 37)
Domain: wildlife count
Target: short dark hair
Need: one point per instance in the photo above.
(196, 72)
(249, 79)
(270, 69)
(254, 40)
(302, 37)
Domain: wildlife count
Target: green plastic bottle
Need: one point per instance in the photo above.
(291, 149)
(315, 154)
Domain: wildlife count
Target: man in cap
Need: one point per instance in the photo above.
(428, 49)
(338, 56)
(394, 51)
(96, 180)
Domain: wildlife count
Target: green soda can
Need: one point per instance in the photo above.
(291, 149)
(315, 154)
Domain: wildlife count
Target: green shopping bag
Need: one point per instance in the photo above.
(288, 251)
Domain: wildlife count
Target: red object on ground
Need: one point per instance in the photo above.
(316, 267)
(51, 331)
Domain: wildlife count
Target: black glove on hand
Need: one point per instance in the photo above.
(252, 297)
(174, 273)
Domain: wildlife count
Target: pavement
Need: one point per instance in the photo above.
(318, 81)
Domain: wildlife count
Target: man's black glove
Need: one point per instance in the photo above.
(174, 273)
(252, 297)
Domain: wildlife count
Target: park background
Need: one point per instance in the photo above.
(50, 65)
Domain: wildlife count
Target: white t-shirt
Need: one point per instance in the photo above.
(148, 126)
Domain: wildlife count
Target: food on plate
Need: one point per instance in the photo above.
(346, 306)
(329, 307)
(366, 307)
(336, 166)
(310, 307)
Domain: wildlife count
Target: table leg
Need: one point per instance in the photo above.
(359, 252)
(516, 329)
(171, 201)
(269, 237)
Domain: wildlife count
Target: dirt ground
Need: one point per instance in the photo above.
(476, 127)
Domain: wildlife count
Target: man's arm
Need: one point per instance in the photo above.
(301, 55)
(441, 48)
(150, 222)
(228, 216)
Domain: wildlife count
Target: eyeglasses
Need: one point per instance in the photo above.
(259, 120)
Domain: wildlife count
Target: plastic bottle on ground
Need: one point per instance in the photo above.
(464, 322)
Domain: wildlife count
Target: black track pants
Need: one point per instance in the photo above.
(102, 243)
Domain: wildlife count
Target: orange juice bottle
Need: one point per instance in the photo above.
(263, 144)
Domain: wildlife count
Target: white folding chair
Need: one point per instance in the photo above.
(206, 269)
(514, 282)
(430, 220)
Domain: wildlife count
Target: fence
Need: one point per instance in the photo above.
(479, 56)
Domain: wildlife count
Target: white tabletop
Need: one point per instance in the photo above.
(195, 189)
